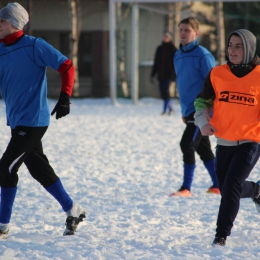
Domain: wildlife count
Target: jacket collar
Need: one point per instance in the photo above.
(13, 38)
(189, 47)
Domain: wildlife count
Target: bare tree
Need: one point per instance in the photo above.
(74, 39)
(121, 49)
(173, 22)
(171, 8)
(220, 33)
(177, 19)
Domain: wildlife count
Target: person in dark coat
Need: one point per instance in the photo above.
(163, 68)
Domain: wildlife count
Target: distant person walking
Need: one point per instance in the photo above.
(23, 85)
(163, 68)
(192, 63)
(233, 90)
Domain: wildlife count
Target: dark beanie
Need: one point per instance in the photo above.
(249, 43)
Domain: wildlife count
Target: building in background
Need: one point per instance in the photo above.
(49, 19)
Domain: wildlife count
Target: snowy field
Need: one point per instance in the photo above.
(121, 162)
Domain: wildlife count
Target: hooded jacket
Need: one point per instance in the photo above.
(206, 99)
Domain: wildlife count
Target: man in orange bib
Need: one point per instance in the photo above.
(233, 91)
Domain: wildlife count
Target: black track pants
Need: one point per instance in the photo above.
(192, 141)
(25, 146)
(233, 166)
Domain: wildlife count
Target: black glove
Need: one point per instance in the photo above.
(62, 108)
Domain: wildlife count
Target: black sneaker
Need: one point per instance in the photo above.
(72, 224)
(4, 231)
(256, 199)
(74, 217)
(219, 241)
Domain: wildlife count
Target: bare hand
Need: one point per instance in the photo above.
(207, 130)
(183, 120)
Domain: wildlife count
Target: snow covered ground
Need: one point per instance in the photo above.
(121, 162)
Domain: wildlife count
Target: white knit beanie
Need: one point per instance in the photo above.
(15, 14)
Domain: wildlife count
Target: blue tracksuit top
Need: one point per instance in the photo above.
(23, 82)
(192, 63)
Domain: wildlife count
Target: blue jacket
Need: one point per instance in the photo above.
(192, 63)
(23, 82)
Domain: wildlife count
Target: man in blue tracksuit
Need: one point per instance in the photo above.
(23, 86)
(192, 63)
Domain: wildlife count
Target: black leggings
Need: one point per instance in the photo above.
(25, 146)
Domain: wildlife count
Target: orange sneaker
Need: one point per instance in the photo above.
(182, 193)
(213, 190)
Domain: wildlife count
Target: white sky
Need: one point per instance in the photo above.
(121, 163)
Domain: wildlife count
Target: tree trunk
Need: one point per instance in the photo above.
(220, 33)
(176, 40)
(172, 26)
(171, 17)
(177, 19)
(74, 38)
(121, 55)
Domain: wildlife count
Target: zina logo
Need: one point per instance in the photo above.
(238, 98)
